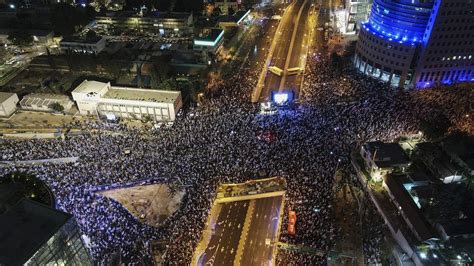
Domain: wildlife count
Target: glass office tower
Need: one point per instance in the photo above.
(408, 43)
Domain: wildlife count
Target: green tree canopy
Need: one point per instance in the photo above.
(435, 127)
(56, 107)
(91, 34)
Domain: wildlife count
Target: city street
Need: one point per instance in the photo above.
(287, 50)
(242, 232)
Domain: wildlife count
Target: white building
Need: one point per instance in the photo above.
(43, 101)
(92, 46)
(8, 102)
(209, 41)
(99, 98)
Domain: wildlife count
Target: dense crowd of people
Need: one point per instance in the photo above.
(221, 141)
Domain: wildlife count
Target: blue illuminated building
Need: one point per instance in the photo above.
(408, 43)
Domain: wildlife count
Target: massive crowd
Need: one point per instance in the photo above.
(220, 141)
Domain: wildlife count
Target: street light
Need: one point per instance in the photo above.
(12, 6)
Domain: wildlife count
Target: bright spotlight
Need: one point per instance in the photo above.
(280, 98)
(423, 255)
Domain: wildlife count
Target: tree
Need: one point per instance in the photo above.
(160, 71)
(66, 18)
(57, 107)
(216, 12)
(20, 38)
(115, 68)
(4, 54)
(91, 35)
(336, 62)
(435, 127)
(351, 48)
(168, 85)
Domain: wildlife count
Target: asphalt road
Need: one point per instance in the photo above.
(299, 50)
(283, 48)
(264, 225)
(224, 242)
(283, 39)
(223, 245)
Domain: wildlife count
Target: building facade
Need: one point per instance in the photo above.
(356, 12)
(44, 101)
(8, 102)
(102, 99)
(164, 23)
(209, 41)
(448, 45)
(35, 234)
(404, 42)
(65, 247)
(92, 46)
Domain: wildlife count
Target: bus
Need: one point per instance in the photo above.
(276, 70)
(294, 71)
(291, 222)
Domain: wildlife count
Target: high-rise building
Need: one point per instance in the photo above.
(418, 43)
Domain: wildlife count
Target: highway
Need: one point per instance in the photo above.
(282, 41)
(286, 51)
(238, 234)
(264, 225)
(224, 242)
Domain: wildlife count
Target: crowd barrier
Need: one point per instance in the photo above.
(41, 161)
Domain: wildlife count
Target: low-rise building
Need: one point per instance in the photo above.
(164, 23)
(45, 102)
(440, 164)
(356, 11)
(430, 227)
(408, 209)
(102, 99)
(384, 158)
(8, 102)
(209, 40)
(234, 20)
(226, 5)
(78, 45)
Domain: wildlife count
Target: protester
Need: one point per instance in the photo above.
(221, 141)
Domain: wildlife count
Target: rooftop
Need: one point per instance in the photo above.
(91, 86)
(5, 95)
(387, 154)
(44, 99)
(236, 18)
(25, 228)
(409, 208)
(211, 35)
(152, 14)
(147, 95)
